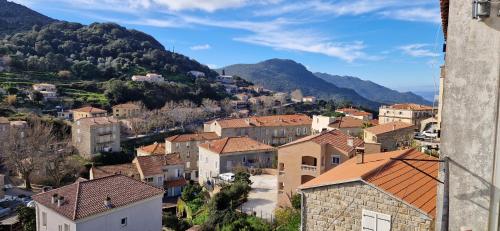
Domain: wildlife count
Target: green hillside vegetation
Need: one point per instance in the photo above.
(99, 51)
(373, 91)
(287, 75)
(17, 18)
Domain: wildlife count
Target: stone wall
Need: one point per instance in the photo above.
(339, 207)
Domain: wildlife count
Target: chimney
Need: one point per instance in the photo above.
(360, 155)
(60, 202)
(350, 141)
(54, 198)
(107, 202)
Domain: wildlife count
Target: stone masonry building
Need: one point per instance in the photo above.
(390, 136)
(373, 193)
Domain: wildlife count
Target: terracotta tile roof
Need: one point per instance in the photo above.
(4, 120)
(153, 149)
(176, 183)
(374, 122)
(392, 176)
(347, 110)
(193, 137)
(86, 198)
(97, 120)
(126, 106)
(388, 127)
(89, 110)
(361, 113)
(445, 5)
(235, 144)
(266, 121)
(154, 164)
(347, 122)
(334, 138)
(129, 170)
(411, 106)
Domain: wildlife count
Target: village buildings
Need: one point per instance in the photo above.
(408, 113)
(309, 157)
(224, 155)
(271, 130)
(391, 136)
(112, 203)
(88, 112)
(91, 136)
(373, 192)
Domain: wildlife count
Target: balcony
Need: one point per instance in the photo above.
(310, 168)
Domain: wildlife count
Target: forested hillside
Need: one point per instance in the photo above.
(17, 18)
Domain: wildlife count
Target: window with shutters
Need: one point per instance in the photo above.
(373, 221)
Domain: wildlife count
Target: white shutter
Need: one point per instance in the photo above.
(373, 221)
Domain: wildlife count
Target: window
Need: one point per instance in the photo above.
(290, 139)
(177, 145)
(335, 159)
(375, 221)
(123, 222)
(188, 154)
(215, 164)
(66, 227)
(60, 227)
(304, 130)
(206, 160)
(298, 131)
(44, 219)
(149, 179)
(187, 144)
(160, 180)
(188, 164)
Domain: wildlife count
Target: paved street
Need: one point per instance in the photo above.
(263, 197)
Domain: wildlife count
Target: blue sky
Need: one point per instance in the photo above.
(396, 43)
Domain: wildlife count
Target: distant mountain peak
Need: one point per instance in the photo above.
(17, 18)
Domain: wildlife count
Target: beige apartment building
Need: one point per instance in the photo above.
(391, 136)
(88, 112)
(356, 113)
(90, 136)
(223, 155)
(126, 110)
(187, 146)
(408, 113)
(307, 158)
(163, 171)
(348, 125)
(271, 130)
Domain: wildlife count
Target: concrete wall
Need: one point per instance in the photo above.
(470, 118)
(339, 207)
(54, 219)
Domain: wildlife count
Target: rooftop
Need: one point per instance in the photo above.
(347, 122)
(193, 137)
(128, 169)
(96, 121)
(444, 16)
(4, 120)
(388, 127)
(156, 148)
(334, 138)
(154, 164)
(410, 106)
(86, 198)
(89, 110)
(126, 106)
(235, 144)
(392, 176)
(266, 121)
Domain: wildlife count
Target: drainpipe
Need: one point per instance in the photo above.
(302, 218)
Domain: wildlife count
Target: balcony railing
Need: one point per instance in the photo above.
(306, 167)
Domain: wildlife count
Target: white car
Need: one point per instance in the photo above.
(229, 177)
(430, 134)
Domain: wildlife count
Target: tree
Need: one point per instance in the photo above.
(27, 217)
(61, 165)
(37, 96)
(12, 90)
(11, 99)
(85, 70)
(28, 148)
(296, 201)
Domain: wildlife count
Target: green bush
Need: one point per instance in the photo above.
(27, 218)
(171, 221)
(296, 201)
(287, 219)
(111, 158)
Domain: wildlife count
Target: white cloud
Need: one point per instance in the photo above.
(418, 50)
(200, 47)
(212, 66)
(415, 14)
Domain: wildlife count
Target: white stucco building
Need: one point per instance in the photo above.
(113, 203)
(150, 77)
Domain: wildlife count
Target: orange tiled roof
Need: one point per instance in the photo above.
(347, 122)
(153, 164)
(97, 120)
(410, 106)
(335, 138)
(176, 183)
(129, 170)
(89, 110)
(154, 149)
(392, 176)
(361, 113)
(388, 127)
(86, 198)
(374, 122)
(266, 121)
(347, 110)
(235, 144)
(126, 106)
(193, 137)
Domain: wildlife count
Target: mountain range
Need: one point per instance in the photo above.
(288, 75)
(16, 18)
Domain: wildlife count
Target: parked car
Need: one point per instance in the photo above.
(229, 177)
(430, 134)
